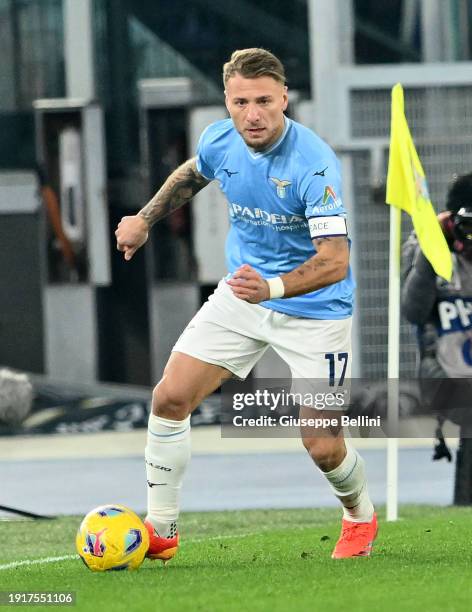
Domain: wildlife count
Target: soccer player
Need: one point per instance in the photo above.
(289, 286)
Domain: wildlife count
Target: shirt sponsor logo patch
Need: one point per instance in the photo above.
(329, 196)
(258, 216)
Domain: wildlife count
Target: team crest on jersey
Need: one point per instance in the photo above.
(329, 196)
(281, 186)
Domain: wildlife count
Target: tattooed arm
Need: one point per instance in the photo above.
(328, 266)
(179, 188)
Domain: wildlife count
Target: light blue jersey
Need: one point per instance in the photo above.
(278, 200)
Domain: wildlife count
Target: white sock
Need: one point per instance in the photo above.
(349, 484)
(167, 455)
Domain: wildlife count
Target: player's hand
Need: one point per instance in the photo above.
(248, 285)
(131, 233)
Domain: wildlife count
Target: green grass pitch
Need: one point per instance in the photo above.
(261, 560)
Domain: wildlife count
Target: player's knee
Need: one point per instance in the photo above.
(327, 453)
(170, 402)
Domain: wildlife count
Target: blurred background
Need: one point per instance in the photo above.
(101, 99)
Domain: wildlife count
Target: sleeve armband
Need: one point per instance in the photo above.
(327, 226)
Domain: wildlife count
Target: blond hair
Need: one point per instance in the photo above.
(254, 63)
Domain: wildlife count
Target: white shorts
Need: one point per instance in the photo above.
(234, 334)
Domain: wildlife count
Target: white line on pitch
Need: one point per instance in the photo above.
(235, 536)
(37, 561)
(67, 557)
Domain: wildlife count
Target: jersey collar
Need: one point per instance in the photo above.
(258, 154)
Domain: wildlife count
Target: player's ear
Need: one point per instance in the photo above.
(285, 97)
(226, 100)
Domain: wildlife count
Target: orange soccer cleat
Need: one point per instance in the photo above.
(161, 548)
(356, 539)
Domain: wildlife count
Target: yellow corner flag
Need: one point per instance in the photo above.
(407, 189)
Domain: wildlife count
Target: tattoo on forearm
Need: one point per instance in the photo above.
(179, 188)
(321, 267)
(312, 265)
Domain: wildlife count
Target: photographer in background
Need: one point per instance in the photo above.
(442, 312)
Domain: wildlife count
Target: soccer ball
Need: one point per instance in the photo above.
(112, 537)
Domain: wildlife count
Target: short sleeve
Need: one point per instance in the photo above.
(204, 165)
(320, 191)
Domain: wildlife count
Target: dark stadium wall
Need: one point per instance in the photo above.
(21, 318)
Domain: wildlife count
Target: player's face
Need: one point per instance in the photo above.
(257, 109)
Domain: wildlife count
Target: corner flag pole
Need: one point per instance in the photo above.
(407, 190)
(393, 365)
